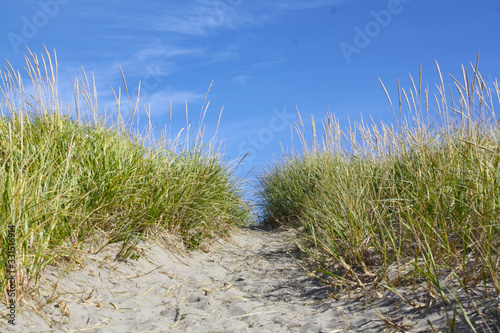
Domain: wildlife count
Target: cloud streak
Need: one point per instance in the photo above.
(301, 4)
(205, 16)
(199, 18)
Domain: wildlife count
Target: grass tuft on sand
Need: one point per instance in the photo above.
(413, 204)
(71, 178)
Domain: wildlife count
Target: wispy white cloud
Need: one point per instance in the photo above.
(203, 16)
(271, 61)
(161, 50)
(200, 17)
(302, 4)
(240, 79)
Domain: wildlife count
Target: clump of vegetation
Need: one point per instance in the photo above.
(411, 204)
(71, 178)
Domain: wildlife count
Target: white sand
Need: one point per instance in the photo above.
(252, 283)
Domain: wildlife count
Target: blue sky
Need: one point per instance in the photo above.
(265, 57)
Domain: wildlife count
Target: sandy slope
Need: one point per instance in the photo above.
(251, 283)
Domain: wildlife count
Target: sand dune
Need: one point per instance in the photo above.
(250, 283)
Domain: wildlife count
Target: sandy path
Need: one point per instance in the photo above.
(251, 283)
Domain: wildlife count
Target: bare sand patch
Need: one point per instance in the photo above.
(252, 282)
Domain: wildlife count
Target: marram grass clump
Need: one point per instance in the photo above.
(71, 184)
(412, 204)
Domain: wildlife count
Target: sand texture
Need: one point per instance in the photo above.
(252, 282)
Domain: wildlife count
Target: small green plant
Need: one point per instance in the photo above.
(71, 177)
(418, 202)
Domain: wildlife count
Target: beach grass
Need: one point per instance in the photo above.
(72, 178)
(412, 204)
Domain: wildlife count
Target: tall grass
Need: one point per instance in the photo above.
(71, 178)
(393, 205)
